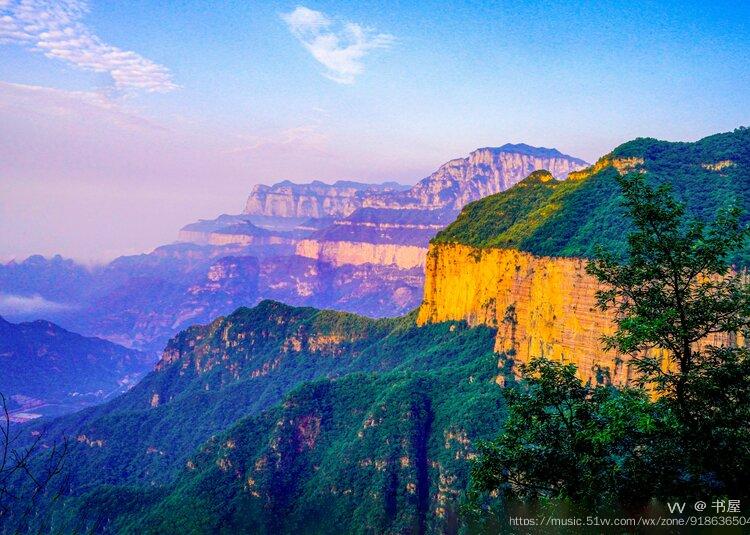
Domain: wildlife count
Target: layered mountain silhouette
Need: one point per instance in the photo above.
(348, 246)
(47, 370)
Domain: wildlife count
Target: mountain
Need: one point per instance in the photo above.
(516, 261)
(56, 279)
(388, 396)
(484, 172)
(382, 236)
(303, 244)
(568, 218)
(227, 229)
(429, 205)
(141, 301)
(279, 419)
(47, 370)
(314, 200)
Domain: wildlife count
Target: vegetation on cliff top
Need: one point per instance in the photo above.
(279, 419)
(571, 217)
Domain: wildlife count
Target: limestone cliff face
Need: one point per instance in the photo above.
(339, 253)
(384, 236)
(540, 306)
(389, 225)
(484, 172)
(314, 200)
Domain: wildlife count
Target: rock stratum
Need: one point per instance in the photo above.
(540, 306)
(484, 172)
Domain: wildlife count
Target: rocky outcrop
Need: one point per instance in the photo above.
(225, 238)
(396, 227)
(313, 200)
(383, 236)
(484, 172)
(540, 306)
(234, 230)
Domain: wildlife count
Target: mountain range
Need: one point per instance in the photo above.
(279, 419)
(348, 246)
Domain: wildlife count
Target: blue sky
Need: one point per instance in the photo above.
(147, 115)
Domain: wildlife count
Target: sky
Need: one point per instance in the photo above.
(122, 120)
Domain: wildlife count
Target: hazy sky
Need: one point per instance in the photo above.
(120, 121)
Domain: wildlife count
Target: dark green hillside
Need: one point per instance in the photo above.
(238, 366)
(369, 452)
(568, 218)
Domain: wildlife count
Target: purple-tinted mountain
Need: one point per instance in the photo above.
(47, 370)
(314, 200)
(484, 172)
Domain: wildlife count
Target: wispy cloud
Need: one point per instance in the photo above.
(21, 305)
(32, 100)
(55, 29)
(341, 46)
(299, 138)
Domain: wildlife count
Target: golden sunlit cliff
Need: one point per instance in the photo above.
(540, 306)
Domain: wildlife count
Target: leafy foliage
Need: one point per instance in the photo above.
(210, 390)
(592, 445)
(676, 287)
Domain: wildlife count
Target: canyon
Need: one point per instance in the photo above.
(279, 417)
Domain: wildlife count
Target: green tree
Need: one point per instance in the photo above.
(676, 287)
(564, 439)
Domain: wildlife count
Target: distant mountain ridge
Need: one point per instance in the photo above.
(483, 172)
(410, 218)
(311, 200)
(47, 370)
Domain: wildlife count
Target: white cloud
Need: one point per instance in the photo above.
(54, 28)
(341, 47)
(11, 305)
